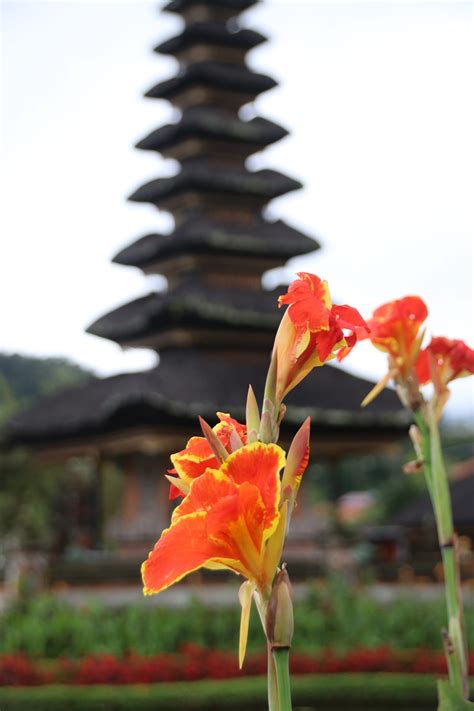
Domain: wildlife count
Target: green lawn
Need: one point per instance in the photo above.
(357, 692)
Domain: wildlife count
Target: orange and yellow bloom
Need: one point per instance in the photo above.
(312, 331)
(234, 513)
(226, 520)
(229, 516)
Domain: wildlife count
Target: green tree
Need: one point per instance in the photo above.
(26, 495)
(25, 379)
(28, 488)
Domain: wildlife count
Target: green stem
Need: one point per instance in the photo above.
(423, 427)
(438, 486)
(281, 659)
(456, 651)
(273, 704)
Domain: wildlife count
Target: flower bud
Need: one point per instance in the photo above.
(252, 417)
(279, 619)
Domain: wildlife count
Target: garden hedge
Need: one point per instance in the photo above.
(357, 692)
(337, 617)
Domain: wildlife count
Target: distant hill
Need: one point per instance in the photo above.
(25, 379)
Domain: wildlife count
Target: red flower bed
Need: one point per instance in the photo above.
(19, 670)
(194, 663)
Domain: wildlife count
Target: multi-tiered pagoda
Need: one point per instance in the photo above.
(214, 326)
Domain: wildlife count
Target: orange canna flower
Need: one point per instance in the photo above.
(233, 516)
(394, 328)
(312, 331)
(444, 360)
(227, 520)
(192, 461)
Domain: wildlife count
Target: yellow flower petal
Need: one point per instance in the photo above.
(275, 545)
(245, 597)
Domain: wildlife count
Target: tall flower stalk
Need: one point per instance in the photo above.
(239, 488)
(396, 329)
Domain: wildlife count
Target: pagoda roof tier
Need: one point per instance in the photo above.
(204, 176)
(188, 383)
(225, 6)
(224, 78)
(197, 307)
(201, 236)
(213, 32)
(208, 125)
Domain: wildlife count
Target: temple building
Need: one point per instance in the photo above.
(214, 325)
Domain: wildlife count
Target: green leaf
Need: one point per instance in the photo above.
(450, 700)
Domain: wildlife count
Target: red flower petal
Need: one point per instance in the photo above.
(348, 317)
(394, 328)
(450, 359)
(308, 299)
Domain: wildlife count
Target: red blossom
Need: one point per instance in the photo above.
(394, 328)
(444, 360)
(312, 331)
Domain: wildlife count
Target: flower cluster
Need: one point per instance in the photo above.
(238, 487)
(19, 670)
(395, 328)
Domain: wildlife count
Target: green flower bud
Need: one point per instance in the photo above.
(279, 619)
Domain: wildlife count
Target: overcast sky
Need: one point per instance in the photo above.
(378, 98)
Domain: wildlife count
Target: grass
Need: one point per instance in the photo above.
(357, 692)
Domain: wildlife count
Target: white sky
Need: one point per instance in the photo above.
(379, 100)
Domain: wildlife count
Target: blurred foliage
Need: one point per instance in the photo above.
(113, 486)
(382, 474)
(458, 442)
(28, 489)
(25, 379)
(26, 495)
(335, 615)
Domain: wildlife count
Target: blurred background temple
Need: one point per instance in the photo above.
(213, 329)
